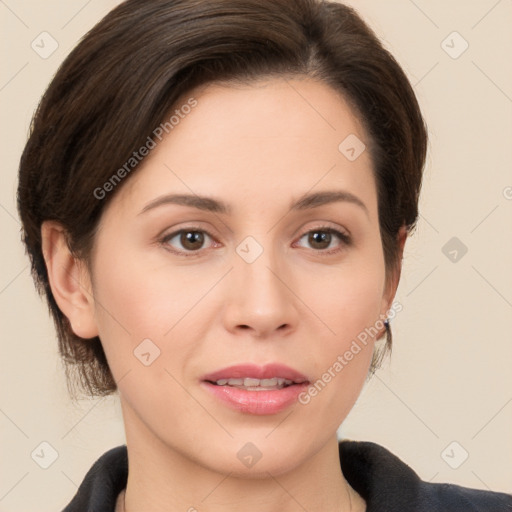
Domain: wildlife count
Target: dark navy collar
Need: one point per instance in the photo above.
(385, 482)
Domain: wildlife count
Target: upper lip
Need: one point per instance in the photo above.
(250, 370)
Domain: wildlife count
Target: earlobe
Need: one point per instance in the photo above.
(402, 237)
(394, 280)
(69, 280)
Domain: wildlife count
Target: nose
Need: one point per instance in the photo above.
(260, 298)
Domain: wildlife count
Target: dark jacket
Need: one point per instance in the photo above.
(381, 478)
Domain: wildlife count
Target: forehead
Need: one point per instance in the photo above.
(297, 109)
(276, 137)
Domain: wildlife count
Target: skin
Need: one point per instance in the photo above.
(258, 148)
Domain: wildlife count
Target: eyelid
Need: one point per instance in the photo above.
(328, 226)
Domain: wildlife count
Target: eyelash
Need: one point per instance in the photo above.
(343, 237)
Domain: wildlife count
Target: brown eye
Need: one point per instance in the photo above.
(187, 240)
(192, 240)
(319, 239)
(322, 239)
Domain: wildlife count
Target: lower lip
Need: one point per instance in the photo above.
(256, 402)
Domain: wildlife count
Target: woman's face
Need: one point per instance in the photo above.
(248, 238)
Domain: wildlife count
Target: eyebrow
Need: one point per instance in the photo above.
(200, 202)
(305, 202)
(321, 198)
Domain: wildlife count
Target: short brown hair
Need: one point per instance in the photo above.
(127, 73)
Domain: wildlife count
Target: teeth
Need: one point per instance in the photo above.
(255, 384)
(250, 383)
(235, 382)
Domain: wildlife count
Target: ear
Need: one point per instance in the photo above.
(394, 277)
(69, 280)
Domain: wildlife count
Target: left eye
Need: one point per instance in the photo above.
(321, 239)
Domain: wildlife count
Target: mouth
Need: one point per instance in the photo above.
(259, 390)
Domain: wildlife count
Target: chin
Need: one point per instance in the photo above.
(255, 457)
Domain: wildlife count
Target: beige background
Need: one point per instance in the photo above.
(450, 375)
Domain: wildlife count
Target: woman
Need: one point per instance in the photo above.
(215, 197)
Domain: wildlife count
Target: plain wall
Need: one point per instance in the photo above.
(449, 378)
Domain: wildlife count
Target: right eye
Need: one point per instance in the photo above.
(186, 240)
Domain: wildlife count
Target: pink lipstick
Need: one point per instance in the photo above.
(253, 389)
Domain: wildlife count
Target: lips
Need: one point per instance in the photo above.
(253, 389)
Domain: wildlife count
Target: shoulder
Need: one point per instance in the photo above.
(455, 497)
(102, 483)
(388, 484)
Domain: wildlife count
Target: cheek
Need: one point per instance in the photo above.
(348, 298)
(349, 303)
(146, 334)
(342, 361)
(134, 304)
(352, 312)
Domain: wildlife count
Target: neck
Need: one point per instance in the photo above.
(163, 479)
